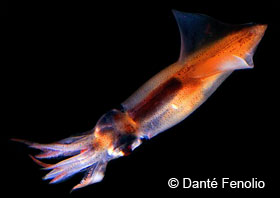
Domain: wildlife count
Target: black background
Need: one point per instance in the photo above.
(71, 62)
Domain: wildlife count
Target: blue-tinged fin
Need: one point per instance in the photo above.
(197, 30)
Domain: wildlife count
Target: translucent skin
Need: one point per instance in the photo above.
(178, 90)
(210, 52)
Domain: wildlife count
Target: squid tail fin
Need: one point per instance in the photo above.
(82, 157)
(198, 31)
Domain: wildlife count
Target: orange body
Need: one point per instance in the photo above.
(178, 90)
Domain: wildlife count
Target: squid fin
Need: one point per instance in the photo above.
(197, 31)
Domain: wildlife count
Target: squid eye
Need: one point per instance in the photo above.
(127, 139)
(125, 143)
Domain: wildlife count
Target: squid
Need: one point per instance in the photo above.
(210, 52)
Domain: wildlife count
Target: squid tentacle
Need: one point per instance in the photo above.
(63, 172)
(54, 154)
(60, 146)
(94, 174)
(84, 157)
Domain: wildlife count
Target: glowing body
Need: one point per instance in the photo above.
(210, 52)
(178, 90)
